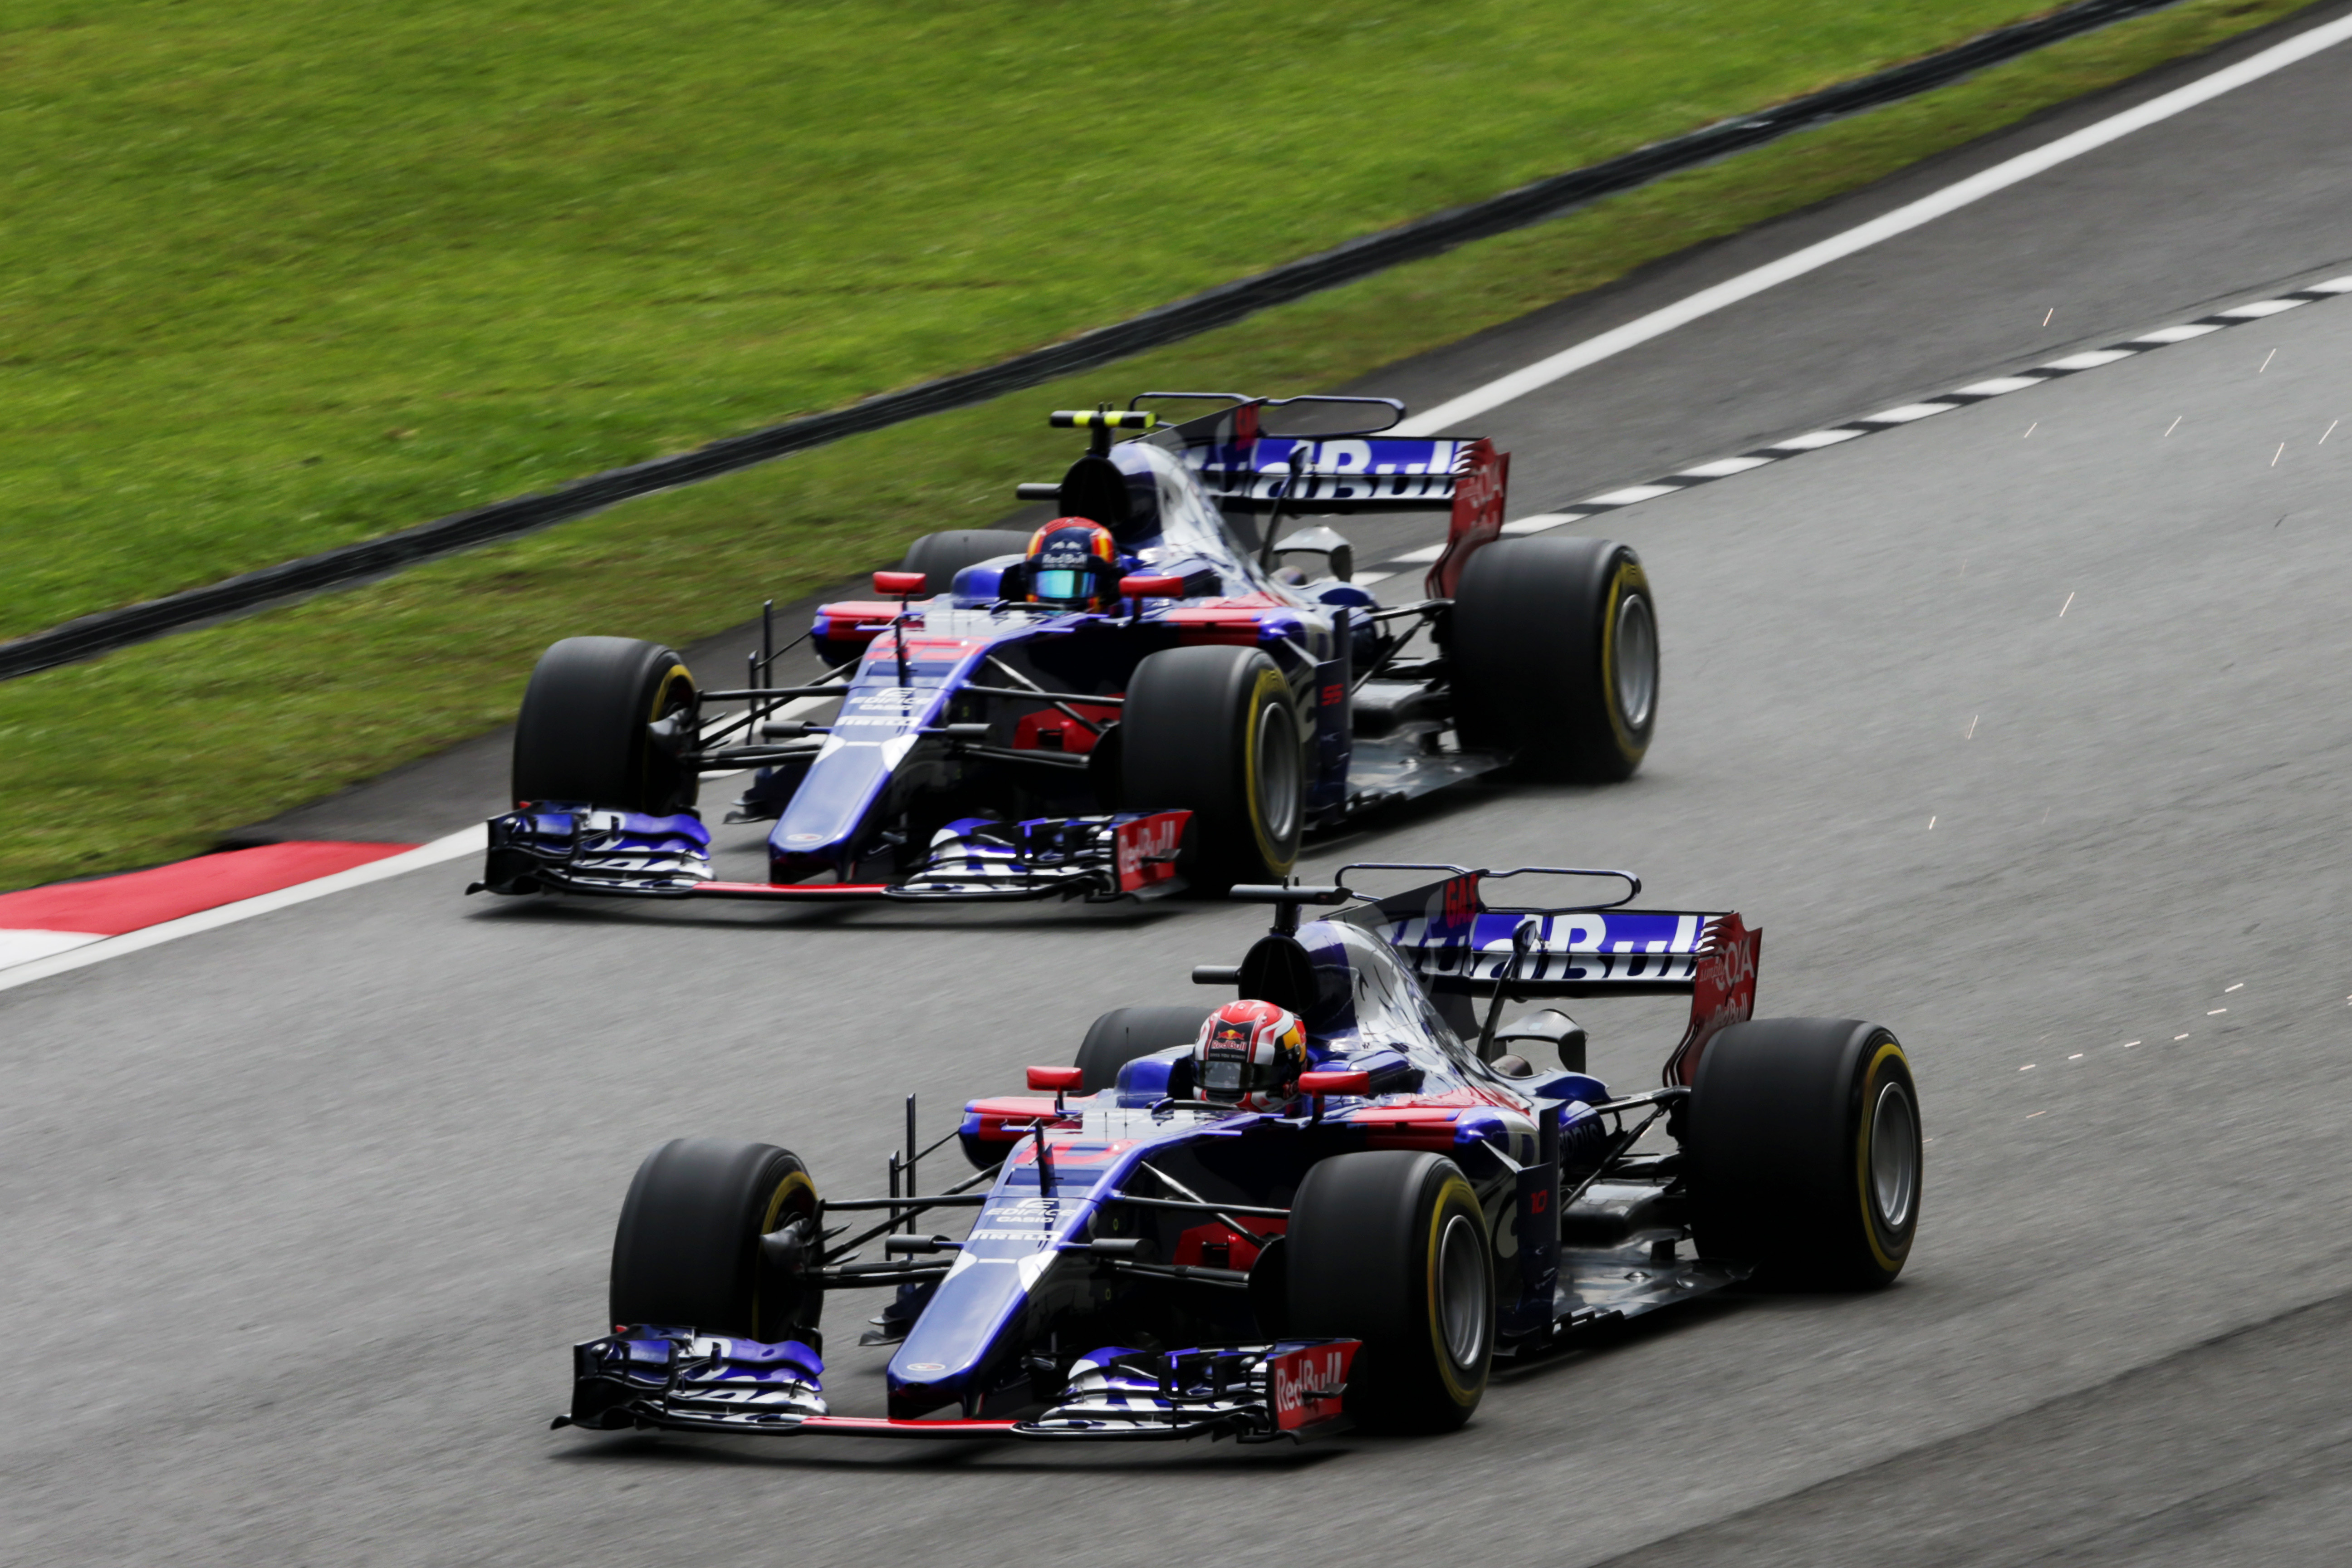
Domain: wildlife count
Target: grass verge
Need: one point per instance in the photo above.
(275, 277)
(152, 753)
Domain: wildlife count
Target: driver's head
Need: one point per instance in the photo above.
(1073, 564)
(1249, 1054)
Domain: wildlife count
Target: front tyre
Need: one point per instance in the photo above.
(584, 733)
(1555, 652)
(718, 1236)
(1805, 1151)
(1389, 1246)
(1214, 730)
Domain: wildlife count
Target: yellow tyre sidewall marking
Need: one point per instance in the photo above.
(1453, 1187)
(676, 675)
(1270, 689)
(793, 1182)
(1629, 578)
(1887, 1052)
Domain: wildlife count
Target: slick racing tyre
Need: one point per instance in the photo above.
(1555, 652)
(1214, 731)
(718, 1236)
(1389, 1246)
(1124, 1034)
(1802, 1145)
(940, 556)
(584, 732)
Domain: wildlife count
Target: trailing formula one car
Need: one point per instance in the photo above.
(1334, 1203)
(1137, 699)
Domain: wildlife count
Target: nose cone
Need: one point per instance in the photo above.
(969, 1338)
(824, 822)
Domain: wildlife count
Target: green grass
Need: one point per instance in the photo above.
(276, 276)
(154, 752)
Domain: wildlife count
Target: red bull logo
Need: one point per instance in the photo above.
(1145, 849)
(1306, 1386)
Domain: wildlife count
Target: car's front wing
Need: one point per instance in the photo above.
(576, 848)
(677, 1380)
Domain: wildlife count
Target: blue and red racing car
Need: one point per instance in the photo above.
(1184, 1234)
(1167, 706)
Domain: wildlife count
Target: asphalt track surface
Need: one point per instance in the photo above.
(300, 1214)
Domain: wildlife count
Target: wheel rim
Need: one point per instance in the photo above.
(1894, 1157)
(1464, 1309)
(1277, 773)
(1636, 661)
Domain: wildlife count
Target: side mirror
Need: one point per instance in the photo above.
(1135, 590)
(1319, 1084)
(899, 584)
(1060, 1081)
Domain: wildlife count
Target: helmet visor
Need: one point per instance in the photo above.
(1062, 587)
(1220, 1077)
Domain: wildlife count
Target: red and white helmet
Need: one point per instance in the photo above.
(1249, 1054)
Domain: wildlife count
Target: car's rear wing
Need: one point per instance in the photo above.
(1456, 940)
(1247, 467)
(1450, 931)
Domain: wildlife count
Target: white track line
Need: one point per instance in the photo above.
(1951, 198)
(2133, 347)
(456, 846)
(20, 945)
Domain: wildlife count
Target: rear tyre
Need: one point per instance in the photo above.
(718, 1236)
(1804, 1152)
(1125, 1034)
(582, 733)
(940, 556)
(1214, 731)
(1389, 1246)
(1555, 651)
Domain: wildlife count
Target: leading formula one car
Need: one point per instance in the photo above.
(1152, 1257)
(1187, 727)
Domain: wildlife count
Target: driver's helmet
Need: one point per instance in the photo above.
(1249, 1054)
(1073, 564)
